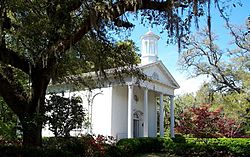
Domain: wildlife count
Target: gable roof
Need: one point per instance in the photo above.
(168, 78)
(157, 68)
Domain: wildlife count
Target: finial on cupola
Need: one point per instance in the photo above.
(149, 48)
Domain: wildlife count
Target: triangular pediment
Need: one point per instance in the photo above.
(157, 72)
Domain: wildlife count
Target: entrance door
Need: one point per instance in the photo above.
(136, 128)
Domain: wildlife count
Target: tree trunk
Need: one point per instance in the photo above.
(32, 130)
(32, 120)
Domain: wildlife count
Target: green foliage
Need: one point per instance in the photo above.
(85, 146)
(189, 147)
(235, 106)
(179, 138)
(205, 147)
(215, 147)
(183, 102)
(13, 151)
(8, 122)
(88, 145)
(141, 145)
(96, 146)
(94, 55)
(64, 114)
(74, 145)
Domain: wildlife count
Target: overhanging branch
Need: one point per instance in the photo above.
(12, 96)
(10, 57)
(118, 9)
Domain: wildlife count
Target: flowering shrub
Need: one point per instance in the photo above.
(85, 145)
(98, 144)
(202, 122)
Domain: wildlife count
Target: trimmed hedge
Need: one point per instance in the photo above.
(189, 147)
(140, 145)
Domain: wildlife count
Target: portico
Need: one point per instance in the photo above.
(131, 110)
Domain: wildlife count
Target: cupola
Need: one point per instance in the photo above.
(149, 48)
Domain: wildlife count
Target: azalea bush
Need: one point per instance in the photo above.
(202, 121)
(99, 145)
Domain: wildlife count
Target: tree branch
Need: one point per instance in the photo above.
(10, 57)
(73, 5)
(15, 100)
(118, 9)
(236, 37)
(120, 23)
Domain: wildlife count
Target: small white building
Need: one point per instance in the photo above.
(128, 110)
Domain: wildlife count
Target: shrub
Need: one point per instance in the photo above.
(76, 145)
(64, 114)
(89, 146)
(9, 142)
(202, 122)
(141, 145)
(209, 147)
(179, 139)
(18, 151)
(189, 147)
(85, 146)
(82, 146)
(8, 122)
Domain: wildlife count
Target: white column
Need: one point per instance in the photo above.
(130, 111)
(172, 116)
(147, 52)
(145, 109)
(156, 47)
(155, 117)
(143, 47)
(161, 116)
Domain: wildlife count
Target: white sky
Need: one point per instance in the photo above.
(189, 85)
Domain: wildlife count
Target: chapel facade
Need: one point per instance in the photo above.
(128, 110)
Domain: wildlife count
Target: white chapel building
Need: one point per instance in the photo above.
(128, 110)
